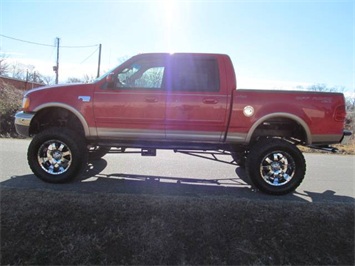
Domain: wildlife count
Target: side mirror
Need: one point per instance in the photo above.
(110, 80)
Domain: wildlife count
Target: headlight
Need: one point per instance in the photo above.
(25, 103)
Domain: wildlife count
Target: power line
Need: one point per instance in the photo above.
(56, 67)
(36, 43)
(84, 46)
(90, 55)
(48, 45)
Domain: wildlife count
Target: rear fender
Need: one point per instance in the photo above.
(295, 118)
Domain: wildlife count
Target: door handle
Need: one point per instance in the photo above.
(210, 101)
(151, 100)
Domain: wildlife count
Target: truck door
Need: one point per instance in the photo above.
(196, 104)
(133, 106)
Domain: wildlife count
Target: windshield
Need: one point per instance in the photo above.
(106, 74)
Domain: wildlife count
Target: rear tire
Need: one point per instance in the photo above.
(275, 166)
(57, 155)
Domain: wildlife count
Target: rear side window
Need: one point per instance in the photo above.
(195, 74)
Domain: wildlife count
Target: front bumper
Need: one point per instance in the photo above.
(346, 137)
(22, 123)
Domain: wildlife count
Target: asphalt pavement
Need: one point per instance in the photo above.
(329, 177)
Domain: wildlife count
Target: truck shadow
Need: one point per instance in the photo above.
(93, 181)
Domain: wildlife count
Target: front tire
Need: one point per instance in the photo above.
(57, 155)
(275, 166)
(240, 157)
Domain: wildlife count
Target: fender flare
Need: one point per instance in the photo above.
(280, 115)
(69, 108)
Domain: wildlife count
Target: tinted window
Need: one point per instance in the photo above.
(195, 74)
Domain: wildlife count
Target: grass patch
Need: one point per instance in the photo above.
(45, 227)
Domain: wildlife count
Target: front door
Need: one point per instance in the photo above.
(133, 106)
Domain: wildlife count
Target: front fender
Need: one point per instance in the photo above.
(81, 118)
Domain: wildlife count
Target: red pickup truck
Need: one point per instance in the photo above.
(184, 102)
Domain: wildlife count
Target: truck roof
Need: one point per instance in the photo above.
(183, 54)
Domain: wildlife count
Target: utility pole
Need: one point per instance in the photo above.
(99, 64)
(56, 67)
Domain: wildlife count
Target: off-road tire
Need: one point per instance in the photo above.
(57, 155)
(275, 166)
(240, 157)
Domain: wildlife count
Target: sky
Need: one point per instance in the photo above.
(274, 44)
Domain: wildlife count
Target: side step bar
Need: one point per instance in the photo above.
(326, 148)
(149, 152)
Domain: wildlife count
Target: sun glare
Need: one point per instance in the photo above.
(170, 20)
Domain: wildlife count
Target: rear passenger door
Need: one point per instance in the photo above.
(195, 104)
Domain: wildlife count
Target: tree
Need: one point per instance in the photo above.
(47, 79)
(10, 102)
(74, 80)
(88, 78)
(35, 77)
(349, 101)
(323, 88)
(26, 73)
(19, 70)
(4, 66)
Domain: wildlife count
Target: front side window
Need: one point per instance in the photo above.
(195, 74)
(145, 73)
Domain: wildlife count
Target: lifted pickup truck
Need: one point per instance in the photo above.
(183, 102)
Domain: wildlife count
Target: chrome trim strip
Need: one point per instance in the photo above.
(327, 139)
(92, 132)
(236, 137)
(121, 133)
(193, 135)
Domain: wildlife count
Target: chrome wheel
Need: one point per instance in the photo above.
(277, 168)
(57, 155)
(54, 157)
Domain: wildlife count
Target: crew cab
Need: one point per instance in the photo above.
(182, 102)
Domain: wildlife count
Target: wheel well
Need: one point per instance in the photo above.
(281, 127)
(55, 117)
